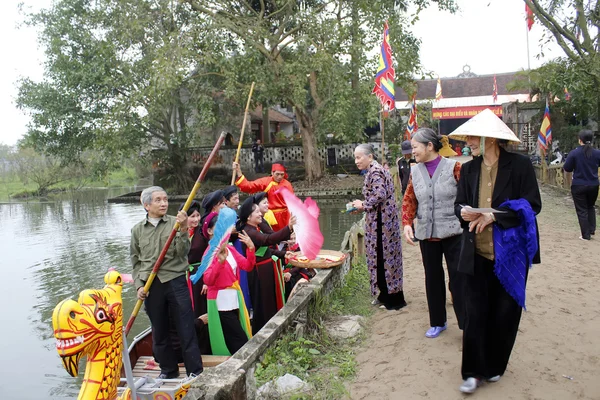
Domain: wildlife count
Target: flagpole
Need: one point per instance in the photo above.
(528, 64)
(527, 34)
(382, 126)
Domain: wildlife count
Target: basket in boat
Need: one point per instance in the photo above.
(325, 259)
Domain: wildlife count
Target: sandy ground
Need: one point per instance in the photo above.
(559, 335)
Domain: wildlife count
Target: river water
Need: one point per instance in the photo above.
(54, 249)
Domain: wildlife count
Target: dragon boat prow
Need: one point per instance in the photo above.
(92, 326)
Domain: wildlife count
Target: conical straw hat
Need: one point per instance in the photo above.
(484, 124)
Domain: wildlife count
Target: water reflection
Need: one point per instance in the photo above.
(54, 249)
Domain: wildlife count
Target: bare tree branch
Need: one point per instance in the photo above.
(557, 30)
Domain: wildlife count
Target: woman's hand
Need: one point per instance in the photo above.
(244, 238)
(358, 204)
(289, 255)
(468, 216)
(292, 222)
(204, 318)
(287, 276)
(409, 234)
(204, 290)
(222, 255)
(480, 223)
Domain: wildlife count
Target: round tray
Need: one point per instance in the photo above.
(323, 260)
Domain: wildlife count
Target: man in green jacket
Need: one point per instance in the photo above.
(168, 298)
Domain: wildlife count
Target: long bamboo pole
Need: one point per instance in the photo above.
(163, 253)
(237, 154)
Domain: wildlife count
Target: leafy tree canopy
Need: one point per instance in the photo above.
(122, 75)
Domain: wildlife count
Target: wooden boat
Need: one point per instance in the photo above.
(92, 327)
(146, 371)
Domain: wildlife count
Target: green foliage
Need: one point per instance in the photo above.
(568, 117)
(125, 76)
(315, 357)
(121, 76)
(574, 25)
(313, 55)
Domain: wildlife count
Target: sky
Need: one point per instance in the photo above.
(488, 35)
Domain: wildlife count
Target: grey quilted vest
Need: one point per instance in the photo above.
(435, 196)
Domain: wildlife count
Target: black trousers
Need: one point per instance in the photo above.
(171, 300)
(234, 334)
(389, 300)
(435, 281)
(492, 319)
(259, 165)
(584, 197)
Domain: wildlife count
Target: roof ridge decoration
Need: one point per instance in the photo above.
(466, 72)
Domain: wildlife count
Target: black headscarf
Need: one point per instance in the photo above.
(229, 191)
(258, 197)
(194, 206)
(244, 213)
(211, 200)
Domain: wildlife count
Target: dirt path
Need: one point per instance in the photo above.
(559, 335)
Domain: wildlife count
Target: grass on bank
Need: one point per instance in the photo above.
(315, 357)
(12, 187)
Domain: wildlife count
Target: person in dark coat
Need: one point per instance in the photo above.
(404, 164)
(266, 281)
(584, 162)
(198, 299)
(258, 150)
(494, 178)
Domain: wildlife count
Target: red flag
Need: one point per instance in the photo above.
(529, 16)
(412, 125)
(495, 90)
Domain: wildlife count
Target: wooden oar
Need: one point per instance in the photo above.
(161, 257)
(237, 154)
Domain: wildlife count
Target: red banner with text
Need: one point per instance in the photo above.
(463, 112)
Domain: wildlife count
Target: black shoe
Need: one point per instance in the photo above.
(396, 307)
(401, 305)
(173, 375)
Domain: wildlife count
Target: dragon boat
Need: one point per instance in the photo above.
(92, 327)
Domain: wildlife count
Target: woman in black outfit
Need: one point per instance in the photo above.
(584, 162)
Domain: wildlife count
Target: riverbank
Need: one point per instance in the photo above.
(13, 189)
(556, 352)
(328, 187)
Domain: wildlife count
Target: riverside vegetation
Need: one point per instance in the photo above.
(315, 357)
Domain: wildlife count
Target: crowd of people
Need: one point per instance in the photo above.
(480, 217)
(214, 307)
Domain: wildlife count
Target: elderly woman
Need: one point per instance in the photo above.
(430, 198)
(498, 247)
(382, 230)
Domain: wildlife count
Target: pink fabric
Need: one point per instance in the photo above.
(220, 276)
(308, 233)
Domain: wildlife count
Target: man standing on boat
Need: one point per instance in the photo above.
(168, 297)
(270, 185)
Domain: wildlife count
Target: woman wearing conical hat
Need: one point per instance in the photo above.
(495, 274)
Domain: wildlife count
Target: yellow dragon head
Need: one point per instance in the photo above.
(93, 327)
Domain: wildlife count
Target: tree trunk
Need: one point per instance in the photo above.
(180, 180)
(266, 124)
(312, 161)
